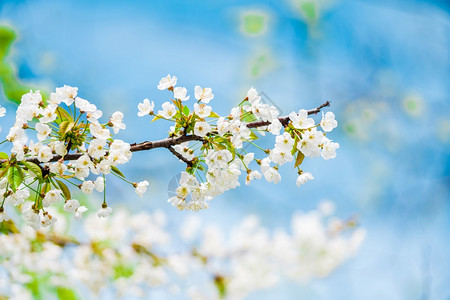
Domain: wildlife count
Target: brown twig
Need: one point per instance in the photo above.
(179, 156)
(285, 120)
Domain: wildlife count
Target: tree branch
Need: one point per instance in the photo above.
(179, 156)
(285, 120)
(170, 142)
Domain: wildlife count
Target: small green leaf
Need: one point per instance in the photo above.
(65, 116)
(34, 169)
(65, 293)
(253, 136)
(65, 127)
(249, 118)
(64, 189)
(299, 159)
(117, 171)
(156, 118)
(213, 115)
(221, 285)
(186, 110)
(15, 177)
(3, 155)
(294, 149)
(123, 271)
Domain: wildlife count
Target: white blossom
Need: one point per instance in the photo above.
(202, 128)
(145, 108)
(78, 214)
(52, 197)
(253, 96)
(99, 132)
(2, 111)
(329, 150)
(203, 94)
(99, 184)
(168, 111)
(96, 148)
(141, 187)
(303, 178)
(3, 216)
(116, 120)
(104, 212)
(167, 82)
(272, 175)
(202, 110)
(45, 154)
(71, 206)
(180, 93)
(275, 127)
(66, 94)
(87, 187)
(328, 122)
(32, 218)
(43, 131)
(301, 120)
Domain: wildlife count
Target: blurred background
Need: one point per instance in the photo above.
(383, 64)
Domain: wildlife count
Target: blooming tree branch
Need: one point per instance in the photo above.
(170, 142)
(72, 143)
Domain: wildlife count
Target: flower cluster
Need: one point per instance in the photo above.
(218, 148)
(70, 144)
(118, 252)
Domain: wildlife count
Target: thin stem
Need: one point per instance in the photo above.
(4, 198)
(104, 189)
(255, 145)
(132, 183)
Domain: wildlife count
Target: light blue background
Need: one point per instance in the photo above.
(364, 56)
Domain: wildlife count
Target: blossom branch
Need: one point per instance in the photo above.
(170, 142)
(77, 136)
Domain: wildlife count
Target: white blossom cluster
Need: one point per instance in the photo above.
(72, 146)
(60, 132)
(136, 254)
(220, 154)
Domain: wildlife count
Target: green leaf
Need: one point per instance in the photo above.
(15, 177)
(186, 110)
(34, 169)
(3, 155)
(65, 293)
(117, 171)
(213, 115)
(249, 118)
(65, 127)
(65, 116)
(294, 149)
(122, 270)
(299, 159)
(221, 286)
(156, 118)
(33, 287)
(64, 189)
(253, 136)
